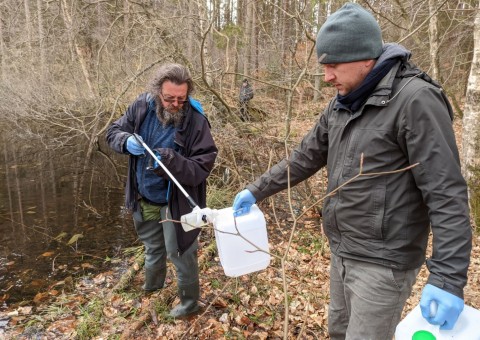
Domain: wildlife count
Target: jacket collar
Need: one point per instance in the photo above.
(382, 93)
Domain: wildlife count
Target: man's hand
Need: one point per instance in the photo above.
(133, 147)
(449, 307)
(243, 202)
(155, 163)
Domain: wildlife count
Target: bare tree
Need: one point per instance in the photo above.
(3, 51)
(433, 38)
(28, 25)
(82, 53)
(471, 117)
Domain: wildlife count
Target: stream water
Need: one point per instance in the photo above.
(59, 217)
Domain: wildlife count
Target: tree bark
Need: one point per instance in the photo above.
(28, 25)
(41, 41)
(247, 50)
(3, 52)
(68, 20)
(471, 116)
(433, 38)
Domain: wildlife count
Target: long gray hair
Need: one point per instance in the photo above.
(176, 73)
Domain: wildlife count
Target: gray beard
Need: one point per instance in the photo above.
(170, 118)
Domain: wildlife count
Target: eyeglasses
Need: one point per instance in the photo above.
(172, 100)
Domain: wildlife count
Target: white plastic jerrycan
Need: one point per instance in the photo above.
(237, 255)
(415, 327)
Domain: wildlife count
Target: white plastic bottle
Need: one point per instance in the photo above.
(240, 255)
(415, 327)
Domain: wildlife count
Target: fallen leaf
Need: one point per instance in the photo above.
(223, 318)
(110, 312)
(40, 297)
(88, 265)
(242, 320)
(64, 326)
(219, 302)
(26, 310)
(100, 278)
(74, 238)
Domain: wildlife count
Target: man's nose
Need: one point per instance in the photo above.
(175, 102)
(329, 75)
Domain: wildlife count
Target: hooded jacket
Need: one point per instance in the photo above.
(386, 219)
(190, 162)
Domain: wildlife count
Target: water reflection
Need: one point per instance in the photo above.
(48, 198)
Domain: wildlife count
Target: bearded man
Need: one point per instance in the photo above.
(174, 125)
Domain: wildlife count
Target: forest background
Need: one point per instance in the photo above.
(68, 68)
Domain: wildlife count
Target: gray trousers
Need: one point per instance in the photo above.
(366, 299)
(160, 241)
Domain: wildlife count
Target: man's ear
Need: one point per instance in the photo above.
(370, 63)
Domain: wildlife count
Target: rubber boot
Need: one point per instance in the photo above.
(154, 279)
(189, 295)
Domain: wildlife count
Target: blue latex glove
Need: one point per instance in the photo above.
(243, 202)
(155, 163)
(449, 307)
(133, 147)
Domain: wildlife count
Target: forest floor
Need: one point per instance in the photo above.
(111, 305)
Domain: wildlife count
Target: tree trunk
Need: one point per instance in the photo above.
(471, 116)
(7, 180)
(18, 189)
(192, 9)
(227, 12)
(41, 40)
(204, 26)
(28, 26)
(233, 83)
(68, 20)
(3, 52)
(318, 77)
(433, 38)
(253, 39)
(247, 50)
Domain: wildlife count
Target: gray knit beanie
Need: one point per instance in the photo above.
(349, 34)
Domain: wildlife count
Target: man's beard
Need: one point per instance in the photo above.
(169, 117)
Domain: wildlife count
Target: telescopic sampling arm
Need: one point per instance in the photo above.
(197, 211)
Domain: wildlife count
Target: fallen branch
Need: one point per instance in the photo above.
(127, 277)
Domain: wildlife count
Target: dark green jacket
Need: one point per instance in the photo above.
(386, 219)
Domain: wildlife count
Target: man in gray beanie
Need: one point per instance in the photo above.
(387, 117)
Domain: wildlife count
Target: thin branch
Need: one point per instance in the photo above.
(423, 23)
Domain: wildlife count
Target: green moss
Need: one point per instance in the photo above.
(91, 320)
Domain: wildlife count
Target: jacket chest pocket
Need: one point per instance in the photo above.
(378, 147)
(361, 209)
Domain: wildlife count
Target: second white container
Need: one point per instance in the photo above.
(466, 328)
(237, 255)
